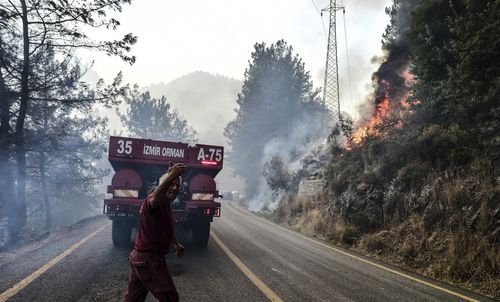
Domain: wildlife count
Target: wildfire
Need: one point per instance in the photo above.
(382, 109)
(384, 106)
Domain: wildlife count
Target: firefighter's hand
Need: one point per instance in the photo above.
(179, 249)
(177, 170)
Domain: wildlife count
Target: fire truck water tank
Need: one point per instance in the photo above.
(127, 178)
(202, 182)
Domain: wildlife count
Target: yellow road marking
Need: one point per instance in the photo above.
(366, 261)
(23, 283)
(255, 280)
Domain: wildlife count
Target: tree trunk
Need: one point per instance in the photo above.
(43, 175)
(7, 196)
(45, 193)
(18, 218)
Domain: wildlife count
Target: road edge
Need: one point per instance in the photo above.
(441, 285)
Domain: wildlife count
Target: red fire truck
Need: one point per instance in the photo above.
(138, 165)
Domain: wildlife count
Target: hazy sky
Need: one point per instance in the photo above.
(179, 37)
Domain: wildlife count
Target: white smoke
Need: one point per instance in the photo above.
(304, 137)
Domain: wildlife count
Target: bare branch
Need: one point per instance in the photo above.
(44, 35)
(17, 11)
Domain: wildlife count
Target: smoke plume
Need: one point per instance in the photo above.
(307, 133)
(393, 77)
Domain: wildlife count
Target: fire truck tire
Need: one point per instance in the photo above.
(200, 234)
(121, 231)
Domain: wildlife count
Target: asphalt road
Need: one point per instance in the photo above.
(247, 259)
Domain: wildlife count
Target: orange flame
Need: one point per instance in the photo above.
(383, 108)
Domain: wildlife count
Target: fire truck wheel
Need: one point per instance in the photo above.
(200, 234)
(121, 232)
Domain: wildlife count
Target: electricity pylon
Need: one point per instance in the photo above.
(331, 95)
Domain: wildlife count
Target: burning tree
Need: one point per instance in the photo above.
(393, 79)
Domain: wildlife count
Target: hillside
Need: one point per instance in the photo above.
(418, 183)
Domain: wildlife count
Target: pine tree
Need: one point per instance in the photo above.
(276, 97)
(152, 118)
(31, 32)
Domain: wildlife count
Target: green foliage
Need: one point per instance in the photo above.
(276, 173)
(151, 118)
(413, 174)
(38, 40)
(456, 59)
(65, 151)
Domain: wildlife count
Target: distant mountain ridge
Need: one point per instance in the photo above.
(205, 100)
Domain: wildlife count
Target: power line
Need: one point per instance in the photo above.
(347, 57)
(321, 16)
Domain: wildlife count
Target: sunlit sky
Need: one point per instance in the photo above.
(179, 37)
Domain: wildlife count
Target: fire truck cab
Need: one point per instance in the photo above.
(138, 166)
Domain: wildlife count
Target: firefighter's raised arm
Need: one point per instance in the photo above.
(160, 193)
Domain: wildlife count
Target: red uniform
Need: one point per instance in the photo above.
(147, 259)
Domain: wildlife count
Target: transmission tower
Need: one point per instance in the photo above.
(331, 95)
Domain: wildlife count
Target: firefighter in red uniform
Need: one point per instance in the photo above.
(154, 236)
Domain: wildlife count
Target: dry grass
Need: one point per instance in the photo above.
(374, 243)
(407, 248)
(464, 258)
(458, 246)
(309, 217)
(473, 258)
(293, 207)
